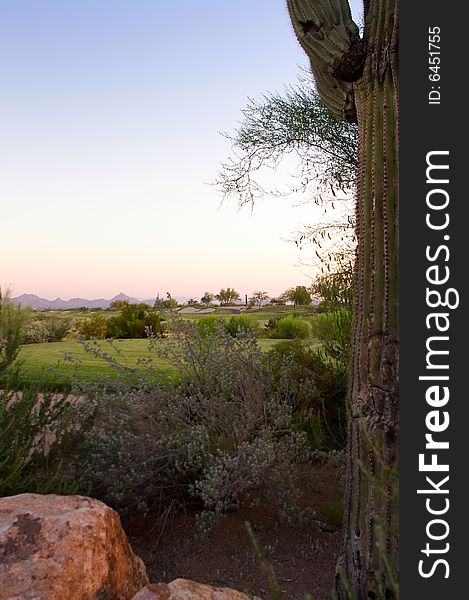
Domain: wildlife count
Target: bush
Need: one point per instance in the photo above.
(36, 332)
(46, 329)
(325, 403)
(95, 327)
(234, 325)
(227, 433)
(12, 320)
(209, 324)
(242, 323)
(38, 434)
(334, 329)
(291, 327)
(134, 321)
(57, 329)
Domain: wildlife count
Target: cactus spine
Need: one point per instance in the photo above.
(357, 78)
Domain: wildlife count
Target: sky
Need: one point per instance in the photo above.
(111, 116)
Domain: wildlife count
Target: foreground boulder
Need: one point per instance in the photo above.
(183, 589)
(65, 548)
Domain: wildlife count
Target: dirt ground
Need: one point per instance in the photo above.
(303, 556)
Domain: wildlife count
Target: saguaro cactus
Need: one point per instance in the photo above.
(357, 78)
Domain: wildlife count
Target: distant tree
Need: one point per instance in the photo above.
(259, 297)
(117, 304)
(226, 297)
(299, 295)
(168, 304)
(95, 326)
(134, 321)
(335, 290)
(207, 298)
(192, 302)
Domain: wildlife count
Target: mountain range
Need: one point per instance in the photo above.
(38, 303)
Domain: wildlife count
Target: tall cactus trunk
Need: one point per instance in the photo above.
(358, 80)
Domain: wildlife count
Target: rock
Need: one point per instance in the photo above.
(184, 589)
(152, 591)
(65, 548)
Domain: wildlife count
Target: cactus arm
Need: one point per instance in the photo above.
(330, 38)
(337, 95)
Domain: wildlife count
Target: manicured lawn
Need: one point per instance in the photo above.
(46, 363)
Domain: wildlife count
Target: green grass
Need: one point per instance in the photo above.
(45, 364)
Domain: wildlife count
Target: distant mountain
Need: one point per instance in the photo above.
(38, 303)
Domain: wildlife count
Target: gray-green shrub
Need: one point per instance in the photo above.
(42, 328)
(226, 434)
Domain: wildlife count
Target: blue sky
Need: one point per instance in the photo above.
(111, 113)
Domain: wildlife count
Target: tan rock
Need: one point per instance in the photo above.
(65, 548)
(154, 591)
(184, 589)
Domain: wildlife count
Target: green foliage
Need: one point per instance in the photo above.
(38, 432)
(168, 304)
(208, 324)
(240, 324)
(299, 295)
(258, 298)
(228, 296)
(94, 327)
(236, 324)
(207, 298)
(291, 327)
(335, 289)
(295, 121)
(12, 320)
(134, 321)
(117, 304)
(325, 403)
(334, 329)
(45, 328)
(224, 435)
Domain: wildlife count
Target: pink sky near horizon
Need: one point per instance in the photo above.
(111, 135)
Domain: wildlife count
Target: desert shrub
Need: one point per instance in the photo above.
(58, 329)
(238, 323)
(36, 332)
(12, 321)
(38, 433)
(42, 329)
(209, 324)
(325, 403)
(95, 327)
(134, 321)
(291, 327)
(334, 329)
(227, 433)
